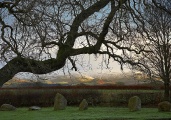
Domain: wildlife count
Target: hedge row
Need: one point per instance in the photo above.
(45, 97)
(107, 87)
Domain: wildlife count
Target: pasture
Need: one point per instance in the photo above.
(93, 113)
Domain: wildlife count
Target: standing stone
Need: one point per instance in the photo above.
(164, 106)
(83, 105)
(60, 102)
(134, 103)
(7, 107)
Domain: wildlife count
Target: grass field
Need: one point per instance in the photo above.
(93, 113)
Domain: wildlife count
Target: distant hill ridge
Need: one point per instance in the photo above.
(76, 79)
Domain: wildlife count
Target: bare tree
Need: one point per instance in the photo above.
(154, 28)
(39, 36)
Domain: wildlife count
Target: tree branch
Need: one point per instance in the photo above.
(19, 64)
(81, 17)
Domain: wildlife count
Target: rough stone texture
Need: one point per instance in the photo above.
(83, 105)
(134, 103)
(7, 107)
(60, 102)
(164, 106)
(34, 108)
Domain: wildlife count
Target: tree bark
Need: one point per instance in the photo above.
(19, 64)
(166, 91)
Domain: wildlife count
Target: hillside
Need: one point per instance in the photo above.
(60, 80)
(76, 79)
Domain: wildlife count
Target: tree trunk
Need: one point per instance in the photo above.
(166, 91)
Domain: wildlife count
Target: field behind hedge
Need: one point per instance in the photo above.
(95, 95)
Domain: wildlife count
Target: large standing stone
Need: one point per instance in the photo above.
(134, 103)
(7, 107)
(60, 102)
(83, 105)
(164, 106)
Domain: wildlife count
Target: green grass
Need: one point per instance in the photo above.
(93, 113)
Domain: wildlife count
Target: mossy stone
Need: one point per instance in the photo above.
(134, 103)
(60, 102)
(83, 105)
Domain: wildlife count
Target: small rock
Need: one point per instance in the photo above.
(7, 107)
(83, 105)
(34, 108)
(134, 103)
(164, 106)
(60, 102)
